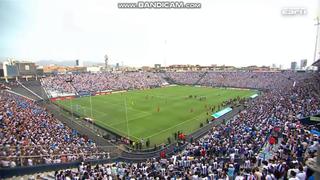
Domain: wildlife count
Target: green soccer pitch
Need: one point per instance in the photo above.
(153, 114)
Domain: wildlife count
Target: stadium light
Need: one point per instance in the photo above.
(317, 37)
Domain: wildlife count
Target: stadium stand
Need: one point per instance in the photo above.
(264, 141)
(92, 82)
(270, 124)
(3, 86)
(189, 78)
(35, 86)
(30, 135)
(15, 87)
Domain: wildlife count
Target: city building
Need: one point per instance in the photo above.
(303, 63)
(294, 65)
(18, 69)
(62, 69)
(95, 69)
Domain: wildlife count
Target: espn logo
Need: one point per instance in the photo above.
(294, 11)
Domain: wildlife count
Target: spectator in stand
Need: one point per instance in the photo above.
(276, 112)
(29, 135)
(96, 82)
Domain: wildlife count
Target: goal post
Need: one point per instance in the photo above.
(79, 110)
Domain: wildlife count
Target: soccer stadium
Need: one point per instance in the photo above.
(178, 119)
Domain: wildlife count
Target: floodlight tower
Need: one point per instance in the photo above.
(106, 60)
(317, 38)
(314, 163)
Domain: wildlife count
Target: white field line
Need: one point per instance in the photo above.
(174, 126)
(132, 119)
(128, 120)
(117, 130)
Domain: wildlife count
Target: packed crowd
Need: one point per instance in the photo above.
(138, 80)
(8, 85)
(29, 135)
(257, 80)
(3, 86)
(238, 149)
(270, 124)
(95, 82)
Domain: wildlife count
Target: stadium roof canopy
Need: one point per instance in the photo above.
(317, 63)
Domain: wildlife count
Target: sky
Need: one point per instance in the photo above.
(229, 32)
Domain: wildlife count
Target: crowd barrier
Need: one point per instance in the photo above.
(28, 170)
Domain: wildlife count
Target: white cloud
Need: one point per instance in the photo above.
(222, 32)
